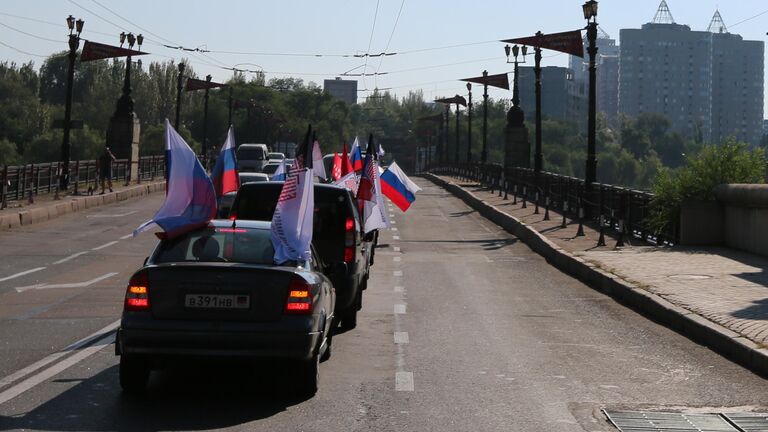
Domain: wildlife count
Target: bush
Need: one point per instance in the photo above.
(730, 162)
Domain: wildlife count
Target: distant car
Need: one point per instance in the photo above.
(289, 161)
(216, 293)
(271, 167)
(275, 156)
(252, 177)
(251, 157)
(337, 235)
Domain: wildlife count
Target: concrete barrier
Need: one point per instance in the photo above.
(681, 320)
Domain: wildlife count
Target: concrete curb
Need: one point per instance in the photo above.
(59, 208)
(695, 327)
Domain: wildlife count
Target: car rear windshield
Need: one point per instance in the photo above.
(240, 245)
(251, 153)
(332, 209)
(270, 168)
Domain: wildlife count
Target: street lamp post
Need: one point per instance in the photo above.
(205, 121)
(590, 14)
(484, 155)
(515, 88)
(74, 44)
(179, 82)
(537, 157)
(125, 104)
(469, 124)
(456, 153)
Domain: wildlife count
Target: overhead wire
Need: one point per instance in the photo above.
(394, 27)
(370, 39)
(30, 34)
(21, 51)
(749, 19)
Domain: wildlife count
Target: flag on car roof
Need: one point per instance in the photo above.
(190, 201)
(356, 156)
(224, 174)
(398, 187)
(280, 172)
(366, 192)
(318, 168)
(291, 230)
(380, 151)
(336, 167)
(346, 164)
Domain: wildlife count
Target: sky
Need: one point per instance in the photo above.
(437, 42)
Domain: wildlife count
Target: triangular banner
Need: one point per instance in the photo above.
(499, 80)
(569, 42)
(96, 51)
(197, 84)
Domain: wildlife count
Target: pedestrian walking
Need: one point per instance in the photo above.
(105, 168)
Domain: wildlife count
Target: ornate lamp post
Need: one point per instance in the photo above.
(590, 14)
(484, 155)
(537, 157)
(75, 28)
(125, 103)
(515, 52)
(179, 82)
(469, 124)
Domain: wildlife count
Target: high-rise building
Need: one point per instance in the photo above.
(607, 74)
(554, 92)
(709, 84)
(344, 90)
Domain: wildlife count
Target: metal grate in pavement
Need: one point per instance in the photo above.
(638, 421)
(749, 422)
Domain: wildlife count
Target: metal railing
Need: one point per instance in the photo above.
(27, 181)
(623, 210)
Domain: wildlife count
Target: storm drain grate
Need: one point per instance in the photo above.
(637, 421)
(749, 422)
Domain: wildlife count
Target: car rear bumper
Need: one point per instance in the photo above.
(243, 340)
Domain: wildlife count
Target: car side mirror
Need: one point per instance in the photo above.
(145, 261)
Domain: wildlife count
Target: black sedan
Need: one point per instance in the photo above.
(215, 292)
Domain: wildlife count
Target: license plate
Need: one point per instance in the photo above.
(217, 301)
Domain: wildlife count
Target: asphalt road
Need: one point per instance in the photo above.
(463, 328)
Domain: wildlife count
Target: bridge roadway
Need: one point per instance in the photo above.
(463, 328)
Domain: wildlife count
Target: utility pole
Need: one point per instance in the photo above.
(179, 82)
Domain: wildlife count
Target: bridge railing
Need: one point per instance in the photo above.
(25, 181)
(622, 210)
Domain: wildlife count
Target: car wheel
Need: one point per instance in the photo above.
(134, 374)
(310, 376)
(349, 319)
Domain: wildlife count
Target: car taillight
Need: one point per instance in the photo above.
(299, 297)
(137, 294)
(349, 240)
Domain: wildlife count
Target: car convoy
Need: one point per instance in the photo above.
(216, 292)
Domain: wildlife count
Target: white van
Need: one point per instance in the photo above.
(251, 157)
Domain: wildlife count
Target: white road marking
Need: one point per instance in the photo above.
(399, 309)
(111, 215)
(399, 289)
(55, 369)
(13, 276)
(71, 257)
(393, 222)
(55, 356)
(401, 337)
(395, 237)
(66, 285)
(396, 248)
(126, 237)
(397, 273)
(393, 229)
(105, 245)
(404, 381)
(397, 259)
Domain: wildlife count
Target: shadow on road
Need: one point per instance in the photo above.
(200, 398)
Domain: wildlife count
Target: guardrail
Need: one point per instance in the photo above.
(623, 210)
(26, 181)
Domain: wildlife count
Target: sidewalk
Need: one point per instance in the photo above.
(714, 295)
(45, 207)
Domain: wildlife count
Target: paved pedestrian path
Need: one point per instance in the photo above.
(723, 285)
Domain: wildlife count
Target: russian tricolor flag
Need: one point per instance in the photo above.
(224, 174)
(398, 187)
(356, 156)
(191, 199)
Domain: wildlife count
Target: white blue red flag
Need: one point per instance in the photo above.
(356, 156)
(224, 174)
(280, 172)
(291, 231)
(190, 201)
(398, 187)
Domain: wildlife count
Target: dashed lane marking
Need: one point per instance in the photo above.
(400, 309)
(126, 237)
(395, 237)
(397, 258)
(112, 215)
(14, 276)
(397, 273)
(393, 229)
(401, 337)
(66, 285)
(404, 381)
(396, 248)
(105, 245)
(71, 257)
(399, 289)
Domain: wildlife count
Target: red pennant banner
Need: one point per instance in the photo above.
(453, 100)
(96, 51)
(196, 84)
(567, 42)
(500, 80)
